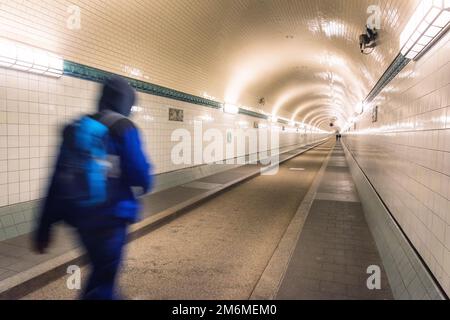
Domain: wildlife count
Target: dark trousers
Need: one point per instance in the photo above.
(104, 246)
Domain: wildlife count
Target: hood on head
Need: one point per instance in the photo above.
(117, 96)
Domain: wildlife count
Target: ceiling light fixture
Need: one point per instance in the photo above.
(21, 57)
(230, 108)
(359, 108)
(429, 21)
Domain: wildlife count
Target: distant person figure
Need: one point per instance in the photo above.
(100, 170)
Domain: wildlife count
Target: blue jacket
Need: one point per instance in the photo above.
(124, 142)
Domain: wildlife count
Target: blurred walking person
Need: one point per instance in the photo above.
(101, 169)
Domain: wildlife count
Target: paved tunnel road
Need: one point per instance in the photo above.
(217, 250)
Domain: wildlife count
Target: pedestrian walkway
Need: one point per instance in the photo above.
(216, 250)
(335, 247)
(19, 266)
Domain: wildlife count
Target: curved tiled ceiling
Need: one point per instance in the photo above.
(301, 56)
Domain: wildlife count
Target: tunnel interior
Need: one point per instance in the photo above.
(375, 72)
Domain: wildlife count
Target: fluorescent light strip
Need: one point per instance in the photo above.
(230, 108)
(21, 57)
(429, 20)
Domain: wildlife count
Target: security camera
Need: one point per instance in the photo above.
(368, 40)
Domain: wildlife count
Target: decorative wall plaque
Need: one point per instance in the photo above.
(176, 115)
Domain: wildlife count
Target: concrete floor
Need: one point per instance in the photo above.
(336, 246)
(217, 250)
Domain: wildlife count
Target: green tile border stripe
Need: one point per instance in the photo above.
(77, 70)
(81, 71)
(252, 114)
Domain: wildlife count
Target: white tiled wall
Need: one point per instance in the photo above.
(406, 154)
(33, 110)
(157, 130)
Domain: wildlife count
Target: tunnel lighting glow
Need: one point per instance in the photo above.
(262, 126)
(136, 109)
(243, 124)
(135, 72)
(230, 108)
(148, 118)
(206, 118)
(209, 97)
(428, 21)
(329, 28)
(25, 58)
(331, 77)
(359, 108)
(332, 60)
